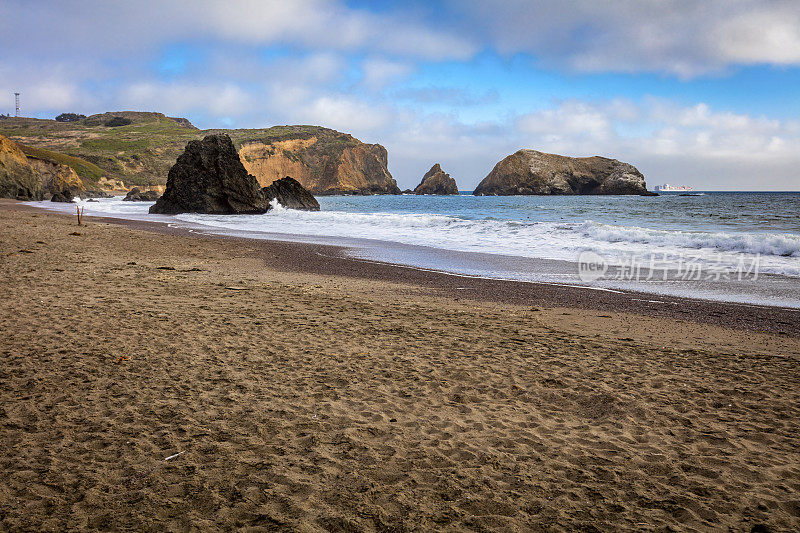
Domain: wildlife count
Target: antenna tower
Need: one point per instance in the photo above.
(16, 104)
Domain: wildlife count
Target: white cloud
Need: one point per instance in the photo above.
(346, 114)
(379, 71)
(678, 37)
(769, 34)
(220, 99)
(107, 28)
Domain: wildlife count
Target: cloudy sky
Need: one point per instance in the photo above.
(700, 92)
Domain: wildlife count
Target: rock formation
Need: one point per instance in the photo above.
(57, 178)
(533, 172)
(209, 178)
(64, 195)
(137, 195)
(17, 178)
(437, 182)
(291, 194)
(322, 160)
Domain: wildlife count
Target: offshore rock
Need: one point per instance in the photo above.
(436, 181)
(291, 194)
(209, 178)
(533, 172)
(137, 195)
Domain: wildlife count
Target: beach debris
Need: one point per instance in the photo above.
(171, 457)
(238, 288)
(79, 210)
(122, 358)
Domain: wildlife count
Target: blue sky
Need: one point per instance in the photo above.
(703, 93)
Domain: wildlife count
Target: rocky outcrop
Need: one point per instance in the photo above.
(209, 178)
(57, 179)
(95, 193)
(322, 160)
(64, 195)
(291, 194)
(533, 172)
(17, 178)
(436, 181)
(108, 184)
(137, 195)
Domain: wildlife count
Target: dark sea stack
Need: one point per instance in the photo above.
(291, 194)
(64, 195)
(136, 195)
(436, 181)
(532, 172)
(17, 178)
(209, 178)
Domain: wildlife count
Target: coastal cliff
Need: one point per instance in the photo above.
(139, 148)
(17, 178)
(533, 172)
(436, 181)
(56, 177)
(322, 160)
(28, 174)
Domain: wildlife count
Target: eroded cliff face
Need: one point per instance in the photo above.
(17, 178)
(269, 162)
(56, 177)
(327, 163)
(533, 172)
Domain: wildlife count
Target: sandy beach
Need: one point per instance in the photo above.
(153, 380)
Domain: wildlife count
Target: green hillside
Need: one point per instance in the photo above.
(140, 152)
(88, 172)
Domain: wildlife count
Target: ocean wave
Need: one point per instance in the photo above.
(490, 234)
(777, 244)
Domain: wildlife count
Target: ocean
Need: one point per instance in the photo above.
(732, 246)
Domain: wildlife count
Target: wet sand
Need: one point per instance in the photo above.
(295, 389)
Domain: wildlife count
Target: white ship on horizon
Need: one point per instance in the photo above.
(668, 188)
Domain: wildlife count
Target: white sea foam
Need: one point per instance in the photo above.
(753, 243)
(563, 240)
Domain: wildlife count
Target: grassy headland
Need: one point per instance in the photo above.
(139, 153)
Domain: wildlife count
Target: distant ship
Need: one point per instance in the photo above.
(667, 188)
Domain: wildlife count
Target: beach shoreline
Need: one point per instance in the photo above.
(158, 379)
(331, 259)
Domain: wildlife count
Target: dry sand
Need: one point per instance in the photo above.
(305, 401)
